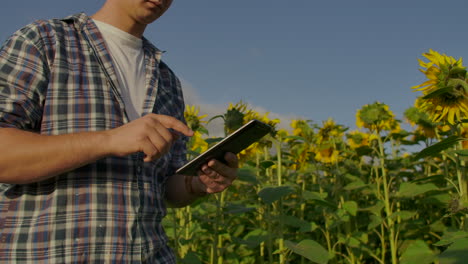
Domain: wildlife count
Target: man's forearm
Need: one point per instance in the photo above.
(29, 157)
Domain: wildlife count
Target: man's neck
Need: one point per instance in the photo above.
(113, 17)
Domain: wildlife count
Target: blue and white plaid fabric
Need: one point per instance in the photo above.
(56, 77)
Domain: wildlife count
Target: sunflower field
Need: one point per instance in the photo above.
(320, 193)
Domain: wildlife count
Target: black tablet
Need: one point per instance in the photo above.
(235, 142)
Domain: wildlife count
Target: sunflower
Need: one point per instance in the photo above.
(251, 114)
(248, 153)
(197, 143)
(445, 91)
(301, 144)
(302, 128)
(464, 134)
(194, 121)
(358, 139)
(330, 131)
(327, 154)
(234, 117)
(424, 125)
(376, 117)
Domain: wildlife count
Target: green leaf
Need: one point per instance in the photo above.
(377, 208)
(317, 197)
(438, 147)
(375, 222)
(364, 150)
(308, 196)
(351, 207)
(355, 185)
(430, 178)
(450, 237)
(253, 239)
(237, 209)
(293, 221)
(463, 152)
(417, 252)
(439, 199)
(438, 226)
(457, 253)
(191, 258)
(410, 190)
(247, 174)
(404, 215)
(266, 164)
(309, 249)
(272, 194)
(438, 92)
(353, 242)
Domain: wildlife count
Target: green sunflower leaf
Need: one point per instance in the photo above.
(266, 164)
(351, 207)
(404, 215)
(463, 152)
(410, 190)
(456, 253)
(438, 92)
(375, 221)
(438, 147)
(309, 249)
(417, 252)
(247, 174)
(272, 194)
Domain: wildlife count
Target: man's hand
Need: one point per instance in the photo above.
(216, 176)
(149, 134)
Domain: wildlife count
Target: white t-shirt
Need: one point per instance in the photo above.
(129, 60)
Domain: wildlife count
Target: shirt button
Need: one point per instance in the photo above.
(139, 170)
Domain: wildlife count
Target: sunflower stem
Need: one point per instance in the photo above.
(388, 208)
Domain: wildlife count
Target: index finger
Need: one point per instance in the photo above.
(174, 123)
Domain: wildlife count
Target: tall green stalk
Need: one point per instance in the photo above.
(217, 256)
(280, 202)
(388, 207)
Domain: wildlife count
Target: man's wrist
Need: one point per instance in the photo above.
(194, 188)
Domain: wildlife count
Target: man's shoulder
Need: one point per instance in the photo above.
(52, 26)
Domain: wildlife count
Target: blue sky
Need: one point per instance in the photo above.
(298, 58)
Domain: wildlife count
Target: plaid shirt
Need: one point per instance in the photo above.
(57, 77)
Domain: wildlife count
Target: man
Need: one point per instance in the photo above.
(91, 133)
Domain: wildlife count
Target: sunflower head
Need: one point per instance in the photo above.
(330, 130)
(416, 117)
(196, 143)
(194, 121)
(327, 154)
(358, 139)
(249, 153)
(464, 134)
(234, 117)
(375, 117)
(302, 128)
(445, 91)
(251, 115)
